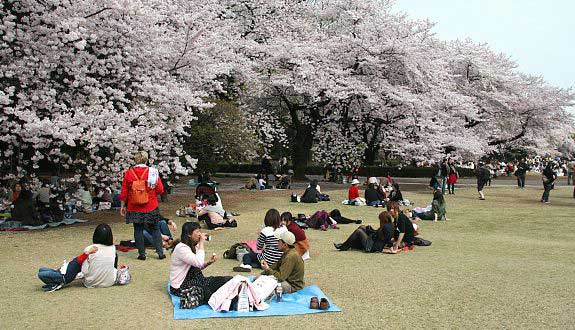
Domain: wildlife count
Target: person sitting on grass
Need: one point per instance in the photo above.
(24, 210)
(368, 239)
(404, 231)
(311, 194)
(213, 215)
(186, 265)
(301, 243)
(251, 184)
(372, 196)
(340, 219)
(167, 239)
(395, 194)
(289, 269)
(353, 192)
(267, 243)
(98, 263)
(438, 209)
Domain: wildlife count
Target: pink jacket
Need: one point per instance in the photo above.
(222, 299)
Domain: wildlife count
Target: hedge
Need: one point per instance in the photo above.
(404, 172)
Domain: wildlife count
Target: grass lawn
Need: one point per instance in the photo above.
(507, 262)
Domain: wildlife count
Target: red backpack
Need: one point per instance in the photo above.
(139, 191)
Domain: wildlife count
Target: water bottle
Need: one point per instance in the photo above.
(243, 300)
(279, 293)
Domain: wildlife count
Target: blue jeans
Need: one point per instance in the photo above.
(443, 184)
(374, 203)
(164, 230)
(251, 259)
(156, 237)
(521, 181)
(52, 277)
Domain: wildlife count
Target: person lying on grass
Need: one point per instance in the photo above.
(267, 242)
(290, 269)
(438, 209)
(186, 264)
(368, 239)
(98, 264)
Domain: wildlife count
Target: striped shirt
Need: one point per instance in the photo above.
(268, 243)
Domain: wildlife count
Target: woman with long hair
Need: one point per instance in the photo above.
(438, 209)
(186, 265)
(368, 239)
(98, 263)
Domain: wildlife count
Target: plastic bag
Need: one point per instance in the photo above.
(123, 276)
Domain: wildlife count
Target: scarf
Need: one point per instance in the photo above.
(153, 175)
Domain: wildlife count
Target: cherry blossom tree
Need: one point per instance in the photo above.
(86, 83)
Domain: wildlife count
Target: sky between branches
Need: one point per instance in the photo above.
(536, 34)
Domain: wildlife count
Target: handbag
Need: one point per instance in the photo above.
(123, 276)
(191, 298)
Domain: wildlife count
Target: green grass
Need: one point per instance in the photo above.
(505, 262)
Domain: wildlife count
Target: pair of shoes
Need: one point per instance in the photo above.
(55, 287)
(234, 214)
(161, 256)
(358, 221)
(142, 257)
(314, 303)
(323, 304)
(243, 268)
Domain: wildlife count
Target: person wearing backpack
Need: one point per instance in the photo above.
(139, 203)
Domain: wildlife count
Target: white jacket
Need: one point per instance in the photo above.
(98, 269)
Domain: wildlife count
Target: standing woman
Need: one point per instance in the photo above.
(139, 203)
(452, 178)
(548, 176)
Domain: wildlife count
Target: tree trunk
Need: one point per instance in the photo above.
(370, 155)
(301, 151)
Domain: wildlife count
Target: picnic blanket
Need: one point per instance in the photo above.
(292, 304)
(18, 227)
(253, 245)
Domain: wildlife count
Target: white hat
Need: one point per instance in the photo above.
(355, 181)
(286, 236)
(372, 179)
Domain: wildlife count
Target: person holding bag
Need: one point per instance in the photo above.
(139, 203)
